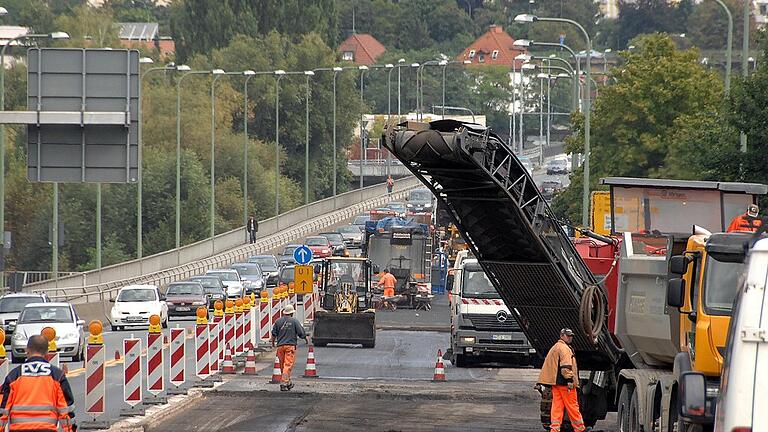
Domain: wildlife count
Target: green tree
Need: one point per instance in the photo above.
(708, 25)
(35, 14)
(650, 16)
(89, 26)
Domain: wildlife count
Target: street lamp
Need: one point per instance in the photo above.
(362, 70)
(140, 182)
(524, 43)
(279, 74)
(528, 18)
(217, 73)
(54, 36)
(420, 85)
(178, 151)
(445, 64)
(308, 74)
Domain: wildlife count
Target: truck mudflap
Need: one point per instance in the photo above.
(345, 328)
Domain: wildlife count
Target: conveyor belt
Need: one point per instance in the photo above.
(509, 227)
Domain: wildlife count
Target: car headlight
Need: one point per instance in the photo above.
(409, 205)
(470, 340)
(18, 337)
(427, 205)
(326, 251)
(198, 303)
(259, 283)
(11, 327)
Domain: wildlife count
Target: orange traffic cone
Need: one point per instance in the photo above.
(228, 367)
(277, 374)
(250, 362)
(310, 371)
(439, 368)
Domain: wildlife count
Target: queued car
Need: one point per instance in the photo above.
(231, 280)
(550, 188)
(352, 235)
(134, 305)
(269, 267)
(70, 337)
(183, 298)
(319, 245)
(337, 243)
(419, 201)
(398, 207)
(11, 306)
(557, 166)
(252, 276)
(286, 256)
(213, 287)
(360, 221)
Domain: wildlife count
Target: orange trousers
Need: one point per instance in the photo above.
(287, 356)
(568, 400)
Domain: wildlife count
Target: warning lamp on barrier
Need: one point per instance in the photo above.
(230, 307)
(154, 324)
(264, 296)
(50, 334)
(95, 329)
(202, 316)
(218, 308)
(2, 344)
(247, 302)
(239, 306)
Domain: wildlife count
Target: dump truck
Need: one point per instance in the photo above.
(633, 337)
(346, 316)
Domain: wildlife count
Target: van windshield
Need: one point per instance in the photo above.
(475, 284)
(721, 283)
(420, 196)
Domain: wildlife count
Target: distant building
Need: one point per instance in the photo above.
(609, 8)
(361, 49)
(6, 34)
(146, 35)
(494, 47)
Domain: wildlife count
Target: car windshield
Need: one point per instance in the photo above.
(550, 184)
(420, 196)
(721, 283)
(286, 274)
(316, 241)
(475, 284)
(289, 250)
(208, 282)
(137, 295)
(248, 270)
(16, 304)
(46, 314)
(349, 229)
(184, 290)
(226, 276)
(267, 263)
(334, 238)
(360, 220)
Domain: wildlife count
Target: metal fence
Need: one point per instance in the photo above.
(222, 250)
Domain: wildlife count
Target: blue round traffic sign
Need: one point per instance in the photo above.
(302, 255)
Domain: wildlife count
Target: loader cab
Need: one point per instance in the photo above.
(351, 274)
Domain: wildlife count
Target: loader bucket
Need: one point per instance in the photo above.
(345, 328)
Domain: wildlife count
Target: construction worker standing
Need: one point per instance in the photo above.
(286, 333)
(560, 373)
(747, 222)
(388, 281)
(36, 395)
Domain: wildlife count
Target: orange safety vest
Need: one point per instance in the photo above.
(37, 397)
(389, 281)
(744, 223)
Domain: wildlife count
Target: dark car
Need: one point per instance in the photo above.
(550, 188)
(269, 267)
(213, 287)
(337, 242)
(11, 306)
(420, 200)
(286, 256)
(183, 298)
(360, 221)
(557, 166)
(252, 275)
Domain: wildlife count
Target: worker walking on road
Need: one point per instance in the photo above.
(388, 281)
(561, 374)
(36, 395)
(253, 227)
(747, 222)
(286, 333)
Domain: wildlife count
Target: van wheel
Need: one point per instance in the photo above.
(622, 409)
(460, 360)
(634, 414)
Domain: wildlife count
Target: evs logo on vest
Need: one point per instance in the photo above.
(35, 369)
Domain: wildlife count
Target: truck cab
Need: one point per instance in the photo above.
(481, 325)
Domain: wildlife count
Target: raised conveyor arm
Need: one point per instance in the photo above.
(509, 227)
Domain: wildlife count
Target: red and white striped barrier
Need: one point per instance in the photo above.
(4, 368)
(53, 358)
(309, 307)
(482, 301)
(94, 380)
(229, 330)
(219, 320)
(277, 308)
(132, 371)
(265, 320)
(248, 339)
(178, 358)
(239, 323)
(228, 366)
(202, 357)
(155, 371)
(213, 346)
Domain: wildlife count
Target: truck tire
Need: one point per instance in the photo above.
(634, 414)
(459, 360)
(622, 408)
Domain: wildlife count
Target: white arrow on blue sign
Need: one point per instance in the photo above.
(302, 255)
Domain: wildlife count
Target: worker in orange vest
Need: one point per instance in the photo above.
(561, 374)
(747, 222)
(36, 395)
(388, 281)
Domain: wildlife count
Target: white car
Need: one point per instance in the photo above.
(70, 338)
(231, 280)
(134, 305)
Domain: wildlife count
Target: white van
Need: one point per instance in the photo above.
(743, 395)
(481, 324)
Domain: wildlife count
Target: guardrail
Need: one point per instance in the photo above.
(299, 222)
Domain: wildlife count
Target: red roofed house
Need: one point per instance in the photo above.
(361, 49)
(494, 47)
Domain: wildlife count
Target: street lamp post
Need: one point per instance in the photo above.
(527, 18)
(744, 62)
(279, 74)
(362, 69)
(54, 35)
(445, 64)
(335, 71)
(420, 86)
(178, 151)
(391, 67)
(308, 74)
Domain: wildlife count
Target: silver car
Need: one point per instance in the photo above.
(11, 306)
(231, 280)
(70, 338)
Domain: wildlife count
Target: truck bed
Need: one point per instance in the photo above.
(509, 227)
